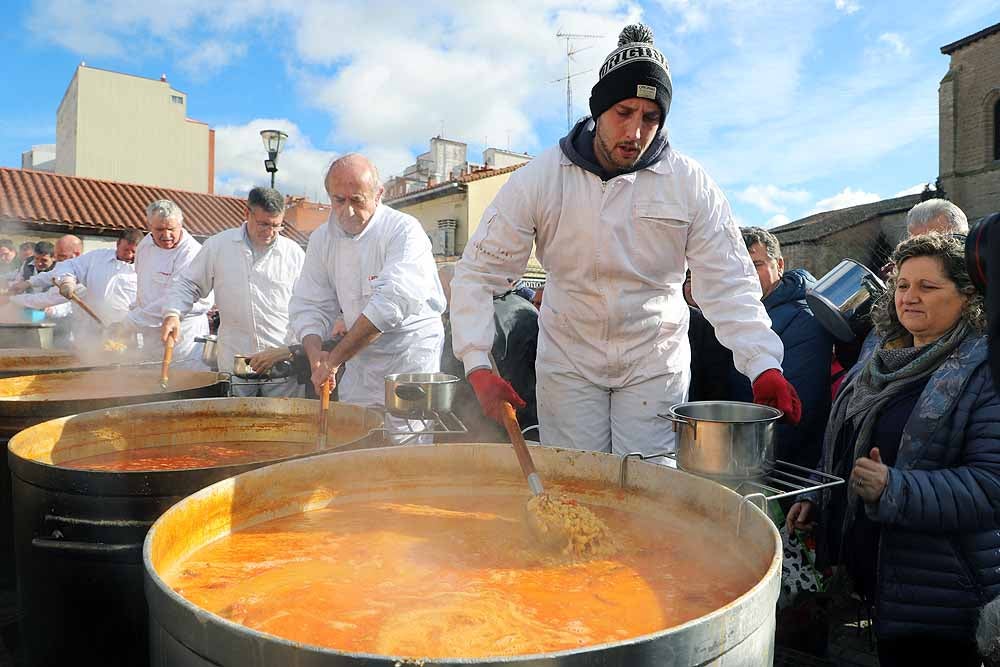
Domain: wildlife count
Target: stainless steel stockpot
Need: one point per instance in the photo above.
(842, 299)
(725, 440)
(419, 395)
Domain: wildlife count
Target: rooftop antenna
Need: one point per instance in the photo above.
(570, 52)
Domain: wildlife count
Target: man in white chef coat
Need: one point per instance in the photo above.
(104, 279)
(160, 258)
(252, 270)
(376, 265)
(617, 216)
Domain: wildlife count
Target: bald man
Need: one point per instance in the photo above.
(66, 247)
(376, 265)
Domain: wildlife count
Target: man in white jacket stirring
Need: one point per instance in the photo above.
(252, 270)
(377, 266)
(617, 216)
(159, 260)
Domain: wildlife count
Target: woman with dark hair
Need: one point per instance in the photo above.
(916, 429)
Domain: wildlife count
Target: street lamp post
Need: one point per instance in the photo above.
(273, 141)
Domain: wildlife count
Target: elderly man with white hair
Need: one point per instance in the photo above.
(160, 258)
(375, 265)
(936, 215)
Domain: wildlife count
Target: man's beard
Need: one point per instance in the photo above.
(609, 153)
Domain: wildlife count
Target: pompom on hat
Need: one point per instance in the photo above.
(635, 69)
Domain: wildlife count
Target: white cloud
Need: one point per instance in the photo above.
(777, 221)
(207, 59)
(771, 198)
(896, 42)
(240, 154)
(843, 199)
(847, 6)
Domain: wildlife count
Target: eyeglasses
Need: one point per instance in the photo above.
(266, 225)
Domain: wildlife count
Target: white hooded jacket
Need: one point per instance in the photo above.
(615, 254)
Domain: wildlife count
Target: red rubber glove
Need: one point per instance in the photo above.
(492, 390)
(771, 388)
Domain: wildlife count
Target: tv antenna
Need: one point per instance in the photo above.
(570, 75)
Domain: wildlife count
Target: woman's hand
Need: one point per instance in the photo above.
(798, 516)
(870, 477)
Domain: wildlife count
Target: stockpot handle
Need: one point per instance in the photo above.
(410, 392)
(96, 550)
(872, 284)
(684, 422)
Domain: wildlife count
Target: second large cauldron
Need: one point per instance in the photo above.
(268, 549)
(78, 532)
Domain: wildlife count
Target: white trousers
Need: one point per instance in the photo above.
(289, 388)
(577, 414)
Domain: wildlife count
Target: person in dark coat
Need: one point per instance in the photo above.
(808, 349)
(711, 361)
(916, 430)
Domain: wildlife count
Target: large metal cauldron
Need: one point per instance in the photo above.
(740, 633)
(78, 533)
(26, 334)
(26, 400)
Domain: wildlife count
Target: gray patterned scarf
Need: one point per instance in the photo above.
(884, 376)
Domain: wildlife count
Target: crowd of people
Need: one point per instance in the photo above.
(653, 296)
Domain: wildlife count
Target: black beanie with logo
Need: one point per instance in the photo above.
(634, 69)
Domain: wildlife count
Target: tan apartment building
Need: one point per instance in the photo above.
(450, 212)
(127, 128)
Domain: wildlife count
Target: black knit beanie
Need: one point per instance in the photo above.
(635, 69)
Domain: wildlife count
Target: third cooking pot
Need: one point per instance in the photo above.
(843, 298)
(726, 440)
(419, 395)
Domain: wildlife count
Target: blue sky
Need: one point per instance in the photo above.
(793, 107)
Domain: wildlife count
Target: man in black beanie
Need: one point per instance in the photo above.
(617, 216)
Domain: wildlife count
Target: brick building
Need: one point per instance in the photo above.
(969, 117)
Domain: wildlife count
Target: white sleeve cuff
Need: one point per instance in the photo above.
(476, 359)
(759, 364)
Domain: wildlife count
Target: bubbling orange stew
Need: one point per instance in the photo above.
(185, 457)
(445, 575)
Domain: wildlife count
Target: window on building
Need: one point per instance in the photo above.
(177, 99)
(996, 130)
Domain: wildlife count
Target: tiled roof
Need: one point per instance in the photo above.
(447, 187)
(486, 173)
(74, 203)
(948, 49)
(823, 224)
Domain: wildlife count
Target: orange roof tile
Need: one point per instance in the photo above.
(88, 204)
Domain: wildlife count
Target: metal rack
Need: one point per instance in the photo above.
(437, 423)
(784, 480)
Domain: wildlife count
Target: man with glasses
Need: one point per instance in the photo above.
(252, 270)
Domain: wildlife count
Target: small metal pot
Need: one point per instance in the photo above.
(842, 299)
(419, 395)
(209, 351)
(725, 440)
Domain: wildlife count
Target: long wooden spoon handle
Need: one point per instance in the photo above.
(168, 355)
(520, 447)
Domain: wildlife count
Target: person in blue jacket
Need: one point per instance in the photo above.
(808, 348)
(916, 430)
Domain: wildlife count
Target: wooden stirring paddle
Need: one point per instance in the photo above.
(168, 355)
(324, 413)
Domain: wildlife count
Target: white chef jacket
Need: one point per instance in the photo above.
(615, 254)
(386, 273)
(109, 284)
(156, 270)
(252, 296)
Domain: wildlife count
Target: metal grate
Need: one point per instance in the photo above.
(437, 423)
(785, 480)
